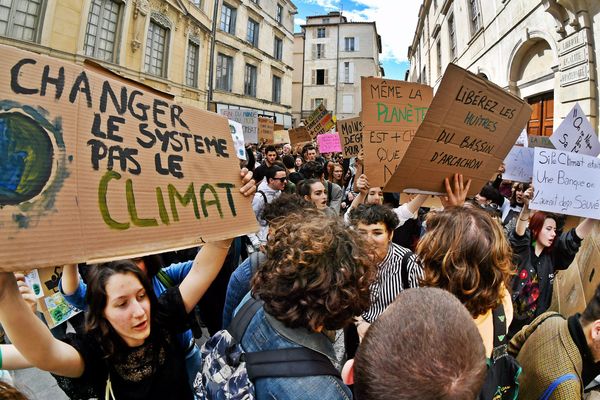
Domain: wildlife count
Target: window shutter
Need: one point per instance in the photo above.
(325, 80)
(325, 100)
(313, 79)
(351, 77)
(323, 51)
(314, 51)
(232, 23)
(314, 32)
(356, 43)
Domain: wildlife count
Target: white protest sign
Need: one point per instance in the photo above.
(576, 135)
(566, 183)
(237, 134)
(518, 164)
(522, 139)
(249, 121)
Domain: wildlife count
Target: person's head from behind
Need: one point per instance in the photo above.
(590, 323)
(276, 177)
(312, 170)
(288, 161)
(466, 252)
(309, 153)
(149, 264)
(120, 298)
(489, 195)
(543, 229)
(424, 346)
(270, 154)
(316, 275)
(314, 191)
(376, 223)
(9, 392)
(283, 206)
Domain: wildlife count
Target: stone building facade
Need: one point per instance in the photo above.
(542, 51)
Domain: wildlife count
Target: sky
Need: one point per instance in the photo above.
(396, 23)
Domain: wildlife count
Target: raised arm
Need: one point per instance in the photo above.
(31, 337)
(523, 220)
(585, 227)
(70, 279)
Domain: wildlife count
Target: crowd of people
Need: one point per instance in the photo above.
(425, 303)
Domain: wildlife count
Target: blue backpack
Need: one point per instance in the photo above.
(228, 371)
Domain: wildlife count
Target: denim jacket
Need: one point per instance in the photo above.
(266, 333)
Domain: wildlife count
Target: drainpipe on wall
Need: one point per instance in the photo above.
(337, 64)
(212, 57)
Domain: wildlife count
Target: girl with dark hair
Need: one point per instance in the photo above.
(539, 253)
(314, 191)
(129, 350)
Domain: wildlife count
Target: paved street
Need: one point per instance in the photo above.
(38, 385)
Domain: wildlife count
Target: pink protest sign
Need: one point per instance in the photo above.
(329, 143)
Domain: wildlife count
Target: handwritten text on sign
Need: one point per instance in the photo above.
(249, 121)
(329, 143)
(469, 128)
(350, 131)
(102, 169)
(566, 183)
(392, 111)
(518, 164)
(576, 135)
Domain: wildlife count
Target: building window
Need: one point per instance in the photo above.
(475, 15)
(319, 77)
(319, 50)
(156, 50)
(21, 19)
(452, 35)
(424, 76)
(317, 102)
(276, 89)
(252, 35)
(348, 104)
(250, 80)
(321, 33)
(349, 44)
(255, 2)
(101, 29)
(228, 14)
(279, 16)
(325, 20)
(439, 57)
(224, 72)
(278, 48)
(348, 72)
(191, 70)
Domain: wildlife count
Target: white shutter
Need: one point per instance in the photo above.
(323, 51)
(313, 78)
(314, 51)
(356, 43)
(348, 104)
(351, 80)
(325, 79)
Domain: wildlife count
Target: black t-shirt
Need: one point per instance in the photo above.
(154, 370)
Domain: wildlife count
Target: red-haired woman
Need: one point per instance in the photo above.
(539, 253)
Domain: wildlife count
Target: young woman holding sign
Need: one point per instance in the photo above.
(539, 253)
(129, 350)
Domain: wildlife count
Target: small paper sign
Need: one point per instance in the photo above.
(329, 143)
(576, 135)
(518, 164)
(237, 134)
(566, 183)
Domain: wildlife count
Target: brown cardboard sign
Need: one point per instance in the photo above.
(469, 128)
(320, 121)
(391, 113)
(299, 135)
(265, 130)
(539, 141)
(97, 169)
(281, 136)
(351, 133)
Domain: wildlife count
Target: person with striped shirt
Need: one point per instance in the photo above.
(398, 268)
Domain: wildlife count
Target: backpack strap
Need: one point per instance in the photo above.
(165, 279)
(550, 389)
(240, 321)
(291, 362)
(263, 195)
(404, 270)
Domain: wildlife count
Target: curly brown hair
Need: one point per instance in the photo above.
(465, 252)
(317, 273)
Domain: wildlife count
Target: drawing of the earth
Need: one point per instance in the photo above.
(26, 154)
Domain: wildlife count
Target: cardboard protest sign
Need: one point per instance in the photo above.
(576, 135)
(566, 183)
(265, 130)
(237, 135)
(249, 121)
(299, 135)
(281, 136)
(391, 113)
(518, 164)
(469, 128)
(329, 143)
(51, 303)
(319, 121)
(351, 133)
(540, 141)
(95, 168)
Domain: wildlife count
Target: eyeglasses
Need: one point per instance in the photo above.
(281, 179)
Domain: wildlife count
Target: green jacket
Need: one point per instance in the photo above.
(546, 351)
